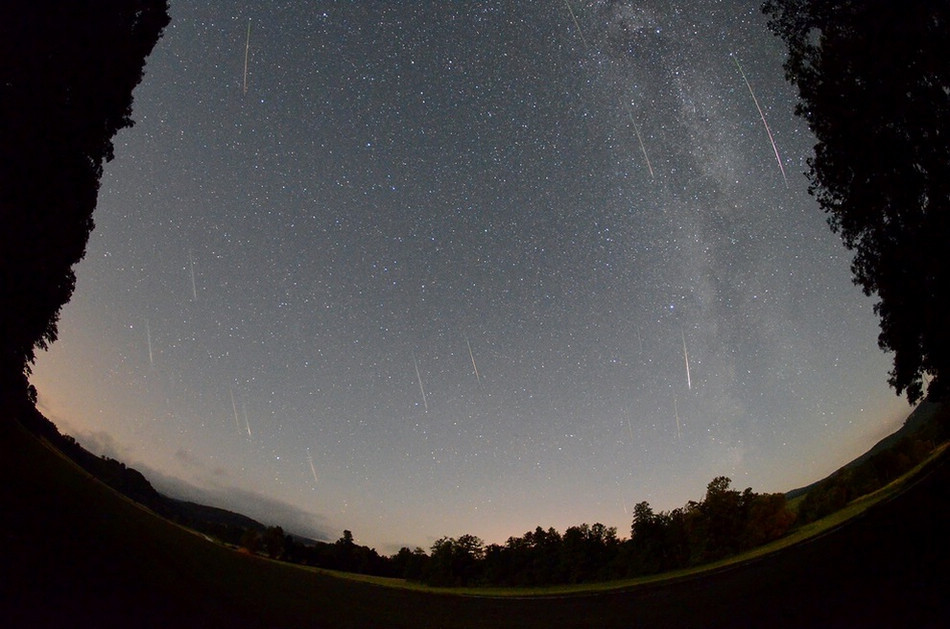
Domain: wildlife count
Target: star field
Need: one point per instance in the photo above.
(440, 269)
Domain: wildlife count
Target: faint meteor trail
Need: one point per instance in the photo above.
(689, 380)
(237, 422)
(636, 128)
(778, 158)
(425, 402)
(576, 25)
(472, 356)
(643, 149)
(676, 413)
(194, 290)
(629, 429)
(312, 468)
(247, 48)
(148, 339)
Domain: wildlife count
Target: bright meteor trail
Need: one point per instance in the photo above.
(778, 158)
(247, 424)
(689, 380)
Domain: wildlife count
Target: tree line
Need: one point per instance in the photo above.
(725, 522)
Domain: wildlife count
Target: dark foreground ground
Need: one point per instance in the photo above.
(75, 554)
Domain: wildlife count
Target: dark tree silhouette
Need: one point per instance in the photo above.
(67, 71)
(274, 542)
(725, 522)
(874, 84)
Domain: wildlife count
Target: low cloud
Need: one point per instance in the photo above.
(101, 444)
(260, 507)
(264, 509)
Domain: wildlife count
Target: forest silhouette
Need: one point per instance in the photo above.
(67, 71)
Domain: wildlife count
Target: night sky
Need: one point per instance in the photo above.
(434, 268)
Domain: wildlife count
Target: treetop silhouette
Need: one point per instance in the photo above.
(67, 71)
(874, 85)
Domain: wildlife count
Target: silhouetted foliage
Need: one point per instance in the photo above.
(67, 71)
(252, 541)
(890, 458)
(854, 481)
(724, 523)
(874, 85)
(274, 542)
(344, 554)
(410, 564)
(455, 561)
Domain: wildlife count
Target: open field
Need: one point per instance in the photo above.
(74, 553)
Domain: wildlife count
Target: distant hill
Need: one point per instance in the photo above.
(225, 525)
(925, 428)
(928, 421)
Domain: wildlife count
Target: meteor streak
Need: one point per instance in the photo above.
(247, 48)
(148, 339)
(194, 290)
(778, 158)
(247, 424)
(576, 25)
(425, 402)
(237, 422)
(689, 381)
(643, 149)
(312, 468)
(472, 356)
(676, 413)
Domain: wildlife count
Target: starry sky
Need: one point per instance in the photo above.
(421, 269)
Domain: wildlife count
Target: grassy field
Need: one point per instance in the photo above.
(75, 553)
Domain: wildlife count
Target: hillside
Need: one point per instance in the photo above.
(224, 524)
(925, 427)
(76, 553)
(928, 419)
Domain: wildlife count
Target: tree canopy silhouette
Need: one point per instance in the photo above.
(67, 71)
(874, 85)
